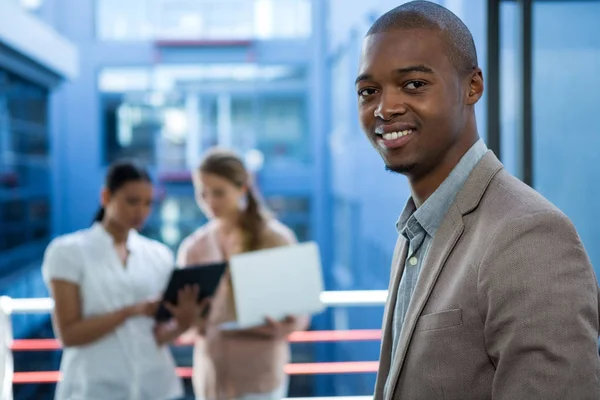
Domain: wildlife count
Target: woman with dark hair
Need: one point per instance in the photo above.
(105, 282)
(243, 364)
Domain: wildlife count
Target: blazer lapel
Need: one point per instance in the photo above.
(444, 241)
(385, 357)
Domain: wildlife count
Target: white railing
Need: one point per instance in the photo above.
(333, 398)
(346, 298)
(10, 306)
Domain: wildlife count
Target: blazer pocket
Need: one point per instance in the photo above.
(441, 320)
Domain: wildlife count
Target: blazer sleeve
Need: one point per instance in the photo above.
(539, 303)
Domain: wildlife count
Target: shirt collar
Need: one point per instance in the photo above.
(407, 212)
(105, 238)
(432, 212)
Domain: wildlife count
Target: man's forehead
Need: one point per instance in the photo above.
(402, 46)
(402, 40)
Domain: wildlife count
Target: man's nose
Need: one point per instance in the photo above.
(390, 104)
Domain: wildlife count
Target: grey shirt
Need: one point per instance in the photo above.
(419, 225)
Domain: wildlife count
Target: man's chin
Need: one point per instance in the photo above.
(403, 169)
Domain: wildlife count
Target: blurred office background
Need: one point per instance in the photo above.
(86, 82)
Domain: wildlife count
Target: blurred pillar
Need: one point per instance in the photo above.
(224, 126)
(193, 143)
(526, 9)
(492, 80)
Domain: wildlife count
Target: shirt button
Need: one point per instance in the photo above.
(413, 261)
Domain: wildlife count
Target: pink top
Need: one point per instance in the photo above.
(229, 364)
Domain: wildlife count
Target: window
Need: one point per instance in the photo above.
(346, 219)
(283, 135)
(175, 217)
(293, 212)
(24, 170)
(343, 110)
(169, 115)
(243, 122)
(29, 5)
(565, 105)
(131, 129)
(133, 20)
(13, 211)
(273, 125)
(549, 136)
(510, 85)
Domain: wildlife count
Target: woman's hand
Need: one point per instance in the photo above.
(143, 309)
(187, 310)
(274, 329)
(185, 314)
(282, 329)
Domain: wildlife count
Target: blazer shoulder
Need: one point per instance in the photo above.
(510, 209)
(513, 199)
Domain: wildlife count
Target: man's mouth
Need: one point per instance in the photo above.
(394, 135)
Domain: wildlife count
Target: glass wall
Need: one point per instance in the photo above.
(282, 129)
(168, 115)
(565, 91)
(135, 20)
(176, 214)
(293, 211)
(511, 134)
(24, 172)
(131, 129)
(566, 99)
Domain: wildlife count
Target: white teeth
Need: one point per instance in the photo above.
(396, 135)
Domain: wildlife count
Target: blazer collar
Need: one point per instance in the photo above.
(444, 241)
(470, 195)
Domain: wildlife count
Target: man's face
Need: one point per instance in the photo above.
(412, 101)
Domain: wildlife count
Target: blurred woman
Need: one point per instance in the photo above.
(105, 282)
(246, 364)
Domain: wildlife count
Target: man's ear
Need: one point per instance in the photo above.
(475, 89)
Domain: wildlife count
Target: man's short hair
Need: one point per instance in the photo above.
(459, 44)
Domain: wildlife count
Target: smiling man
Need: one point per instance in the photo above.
(492, 295)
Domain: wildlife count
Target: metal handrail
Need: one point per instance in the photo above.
(344, 298)
(334, 398)
(350, 298)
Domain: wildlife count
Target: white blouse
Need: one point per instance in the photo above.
(126, 364)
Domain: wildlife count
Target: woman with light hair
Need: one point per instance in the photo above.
(242, 364)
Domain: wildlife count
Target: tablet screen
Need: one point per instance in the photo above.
(207, 276)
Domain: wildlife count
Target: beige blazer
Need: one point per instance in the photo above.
(506, 306)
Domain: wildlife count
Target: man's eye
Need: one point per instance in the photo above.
(366, 92)
(413, 85)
